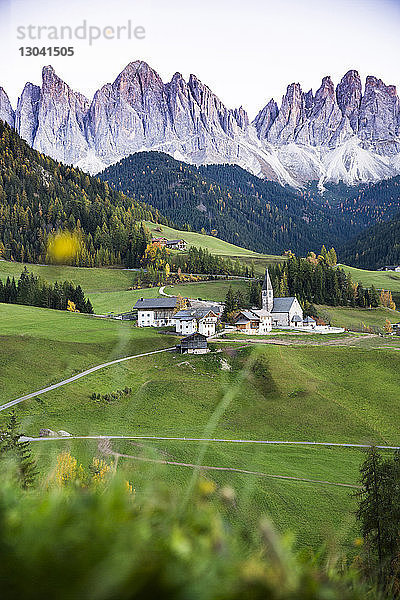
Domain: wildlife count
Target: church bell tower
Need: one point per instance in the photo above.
(267, 293)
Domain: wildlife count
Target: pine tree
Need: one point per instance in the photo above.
(230, 304)
(12, 446)
(379, 516)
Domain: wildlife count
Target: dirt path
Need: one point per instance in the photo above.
(345, 341)
(106, 448)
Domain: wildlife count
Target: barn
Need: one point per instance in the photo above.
(196, 343)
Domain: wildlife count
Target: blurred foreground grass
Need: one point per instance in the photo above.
(87, 533)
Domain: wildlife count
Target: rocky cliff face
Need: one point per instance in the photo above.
(6, 111)
(341, 133)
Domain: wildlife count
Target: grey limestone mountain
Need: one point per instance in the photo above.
(343, 133)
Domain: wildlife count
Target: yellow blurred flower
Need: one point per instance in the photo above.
(206, 487)
(63, 247)
(358, 541)
(129, 488)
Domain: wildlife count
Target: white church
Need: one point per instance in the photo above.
(275, 312)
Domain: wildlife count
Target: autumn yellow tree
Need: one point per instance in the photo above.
(386, 300)
(181, 303)
(72, 306)
(69, 471)
(388, 326)
(312, 258)
(156, 255)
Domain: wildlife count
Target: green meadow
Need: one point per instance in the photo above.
(91, 279)
(310, 393)
(40, 347)
(358, 319)
(386, 280)
(216, 246)
(213, 244)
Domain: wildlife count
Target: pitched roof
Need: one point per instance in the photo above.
(175, 241)
(309, 320)
(267, 285)
(154, 303)
(282, 305)
(261, 312)
(249, 315)
(297, 319)
(195, 335)
(189, 314)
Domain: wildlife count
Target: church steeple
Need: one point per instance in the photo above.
(267, 293)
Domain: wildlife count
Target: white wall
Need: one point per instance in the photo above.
(146, 318)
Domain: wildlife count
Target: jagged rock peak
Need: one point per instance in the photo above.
(137, 69)
(348, 95)
(26, 115)
(327, 88)
(265, 119)
(53, 85)
(373, 82)
(6, 110)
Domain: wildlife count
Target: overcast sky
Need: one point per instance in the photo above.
(247, 51)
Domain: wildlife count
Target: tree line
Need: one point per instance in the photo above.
(313, 280)
(200, 260)
(31, 290)
(318, 282)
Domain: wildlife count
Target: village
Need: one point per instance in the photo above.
(198, 321)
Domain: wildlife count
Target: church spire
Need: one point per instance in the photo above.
(267, 293)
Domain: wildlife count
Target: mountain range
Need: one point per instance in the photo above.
(349, 133)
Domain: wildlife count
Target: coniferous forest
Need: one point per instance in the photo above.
(317, 282)
(242, 209)
(31, 290)
(313, 280)
(251, 212)
(376, 247)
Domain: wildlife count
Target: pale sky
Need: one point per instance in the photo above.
(246, 51)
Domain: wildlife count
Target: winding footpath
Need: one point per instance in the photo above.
(78, 376)
(105, 448)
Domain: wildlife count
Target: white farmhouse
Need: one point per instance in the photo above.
(201, 320)
(156, 312)
(253, 321)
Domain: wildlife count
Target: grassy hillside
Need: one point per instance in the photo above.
(213, 244)
(387, 280)
(91, 279)
(358, 318)
(272, 392)
(207, 290)
(107, 288)
(217, 246)
(41, 346)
